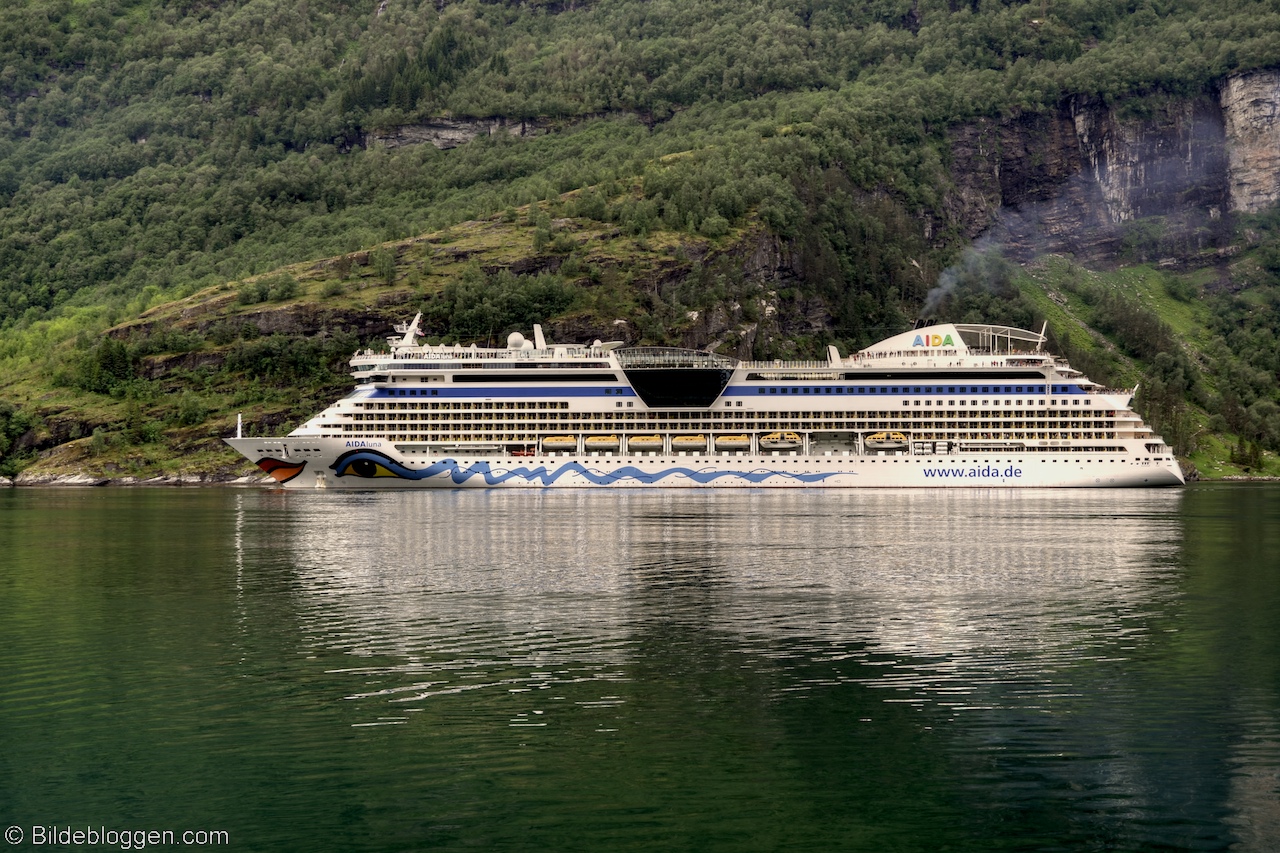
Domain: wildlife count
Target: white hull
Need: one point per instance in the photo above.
(333, 463)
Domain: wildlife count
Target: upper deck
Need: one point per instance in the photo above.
(951, 348)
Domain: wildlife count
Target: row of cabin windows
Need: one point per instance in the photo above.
(916, 389)
(564, 406)
(830, 389)
(438, 434)
(744, 418)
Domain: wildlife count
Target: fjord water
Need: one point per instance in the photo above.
(607, 670)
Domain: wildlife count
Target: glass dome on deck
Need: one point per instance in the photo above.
(1000, 339)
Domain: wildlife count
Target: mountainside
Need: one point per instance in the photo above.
(1082, 178)
(238, 194)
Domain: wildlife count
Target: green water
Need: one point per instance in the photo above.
(597, 670)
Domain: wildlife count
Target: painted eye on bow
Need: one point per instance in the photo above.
(364, 467)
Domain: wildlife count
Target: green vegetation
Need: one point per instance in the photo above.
(476, 306)
(14, 424)
(178, 145)
(204, 153)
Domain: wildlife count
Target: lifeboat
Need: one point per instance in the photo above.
(886, 441)
(601, 442)
(689, 442)
(560, 442)
(644, 442)
(733, 442)
(780, 441)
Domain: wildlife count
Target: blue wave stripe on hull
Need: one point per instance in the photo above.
(546, 476)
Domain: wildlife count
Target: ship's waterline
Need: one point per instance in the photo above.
(954, 405)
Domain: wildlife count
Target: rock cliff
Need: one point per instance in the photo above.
(446, 133)
(1153, 177)
(1251, 111)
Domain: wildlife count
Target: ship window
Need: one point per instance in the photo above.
(916, 389)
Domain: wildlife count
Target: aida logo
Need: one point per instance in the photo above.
(933, 341)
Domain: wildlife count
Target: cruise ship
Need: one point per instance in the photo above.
(952, 405)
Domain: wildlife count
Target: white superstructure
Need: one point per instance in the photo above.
(947, 405)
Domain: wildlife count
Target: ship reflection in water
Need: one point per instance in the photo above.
(1027, 646)
(1003, 584)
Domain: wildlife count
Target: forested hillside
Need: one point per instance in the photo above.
(152, 151)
